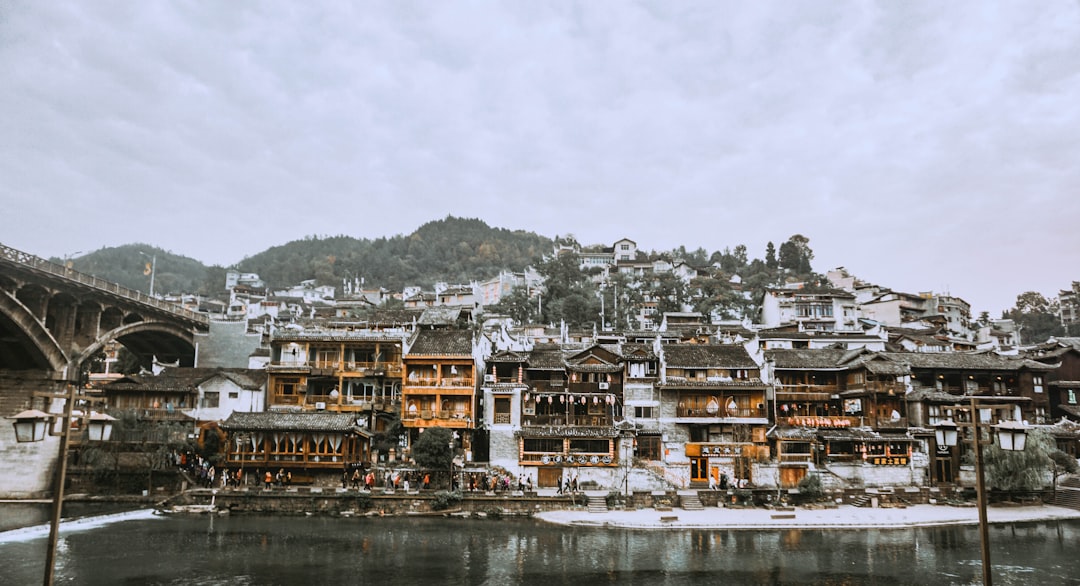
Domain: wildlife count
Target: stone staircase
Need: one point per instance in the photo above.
(690, 501)
(863, 500)
(1068, 493)
(597, 504)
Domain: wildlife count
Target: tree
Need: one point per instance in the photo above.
(432, 449)
(770, 256)
(1061, 464)
(1022, 471)
(517, 304)
(1036, 317)
(390, 437)
(795, 254)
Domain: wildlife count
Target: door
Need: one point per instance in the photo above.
(699, 469)
(548, 477)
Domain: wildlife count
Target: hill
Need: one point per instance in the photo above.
(455, 250)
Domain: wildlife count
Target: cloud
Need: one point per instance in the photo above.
(921, 145)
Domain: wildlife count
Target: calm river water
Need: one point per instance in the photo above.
(141, 548)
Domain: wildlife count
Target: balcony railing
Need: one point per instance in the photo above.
(721, 412)
(819, 421)
(458, 382)
(574, 420)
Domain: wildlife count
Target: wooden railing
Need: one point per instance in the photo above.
(721, 412)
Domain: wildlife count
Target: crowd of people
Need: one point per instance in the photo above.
(359, 477)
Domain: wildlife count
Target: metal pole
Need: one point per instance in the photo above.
(61, 474)
(980, 484)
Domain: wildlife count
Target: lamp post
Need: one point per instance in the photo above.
(450, 479)
(1011, 437)
(30, 426)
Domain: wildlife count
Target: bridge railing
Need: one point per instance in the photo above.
(39, 264)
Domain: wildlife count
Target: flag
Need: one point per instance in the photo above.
(147, 270)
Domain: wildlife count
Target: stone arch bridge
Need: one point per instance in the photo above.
(53, 319)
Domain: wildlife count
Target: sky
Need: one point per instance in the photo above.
(923, 146)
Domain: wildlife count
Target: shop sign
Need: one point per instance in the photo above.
(889, 460)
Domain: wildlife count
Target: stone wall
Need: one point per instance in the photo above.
(301, 501)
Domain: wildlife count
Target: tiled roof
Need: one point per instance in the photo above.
(441, 343)
(638, 351)
(546, 357)
(963, 361)
(806, 359)
(289, 421)
(187, 380)
(439, 316)
(334, 335)
(707, 356)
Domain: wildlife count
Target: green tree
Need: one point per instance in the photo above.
(795, 255)
(1021, 471)
(517, 304)
(1061, 464)
(431, 450)
(1036, 317)
(770, 256)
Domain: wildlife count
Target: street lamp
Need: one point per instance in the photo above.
(1011, 437)
(30, 426)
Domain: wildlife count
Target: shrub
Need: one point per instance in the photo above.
(810, 486)
(613, 498)
(445, 499)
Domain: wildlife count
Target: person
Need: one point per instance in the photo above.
(573, 483)
(528, 483)
(427, 480)
(356, 479)
(288, 478)
(269, 480)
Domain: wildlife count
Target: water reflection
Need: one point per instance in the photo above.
(312, 550)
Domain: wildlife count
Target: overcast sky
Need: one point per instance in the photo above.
(924, 146)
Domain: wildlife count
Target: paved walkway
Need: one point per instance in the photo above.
(843, 517)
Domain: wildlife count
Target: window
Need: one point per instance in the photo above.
(647, 447)
(1038, 382)
(234, 395)
(502, 410)
(210, 400)
(1072, 396)
(542, 445)
(590, 446)
(624, 247)
(643, 412)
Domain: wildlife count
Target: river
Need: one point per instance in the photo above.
(142, 548)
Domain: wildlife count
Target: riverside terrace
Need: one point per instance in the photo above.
(673, 508)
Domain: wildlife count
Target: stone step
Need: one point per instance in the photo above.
(691, 502)
(597, 504)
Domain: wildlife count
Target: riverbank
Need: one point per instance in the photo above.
(841, 517)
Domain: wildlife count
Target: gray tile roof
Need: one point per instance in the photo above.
(707, 356)
(441, 343)
(290, 421)
(806, 359)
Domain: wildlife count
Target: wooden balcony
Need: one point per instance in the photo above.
(571, 420)
(819, 421)
(723, 412)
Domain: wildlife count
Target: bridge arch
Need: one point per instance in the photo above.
(166, 341)
(25, 343)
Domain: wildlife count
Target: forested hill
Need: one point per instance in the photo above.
(454, 250)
